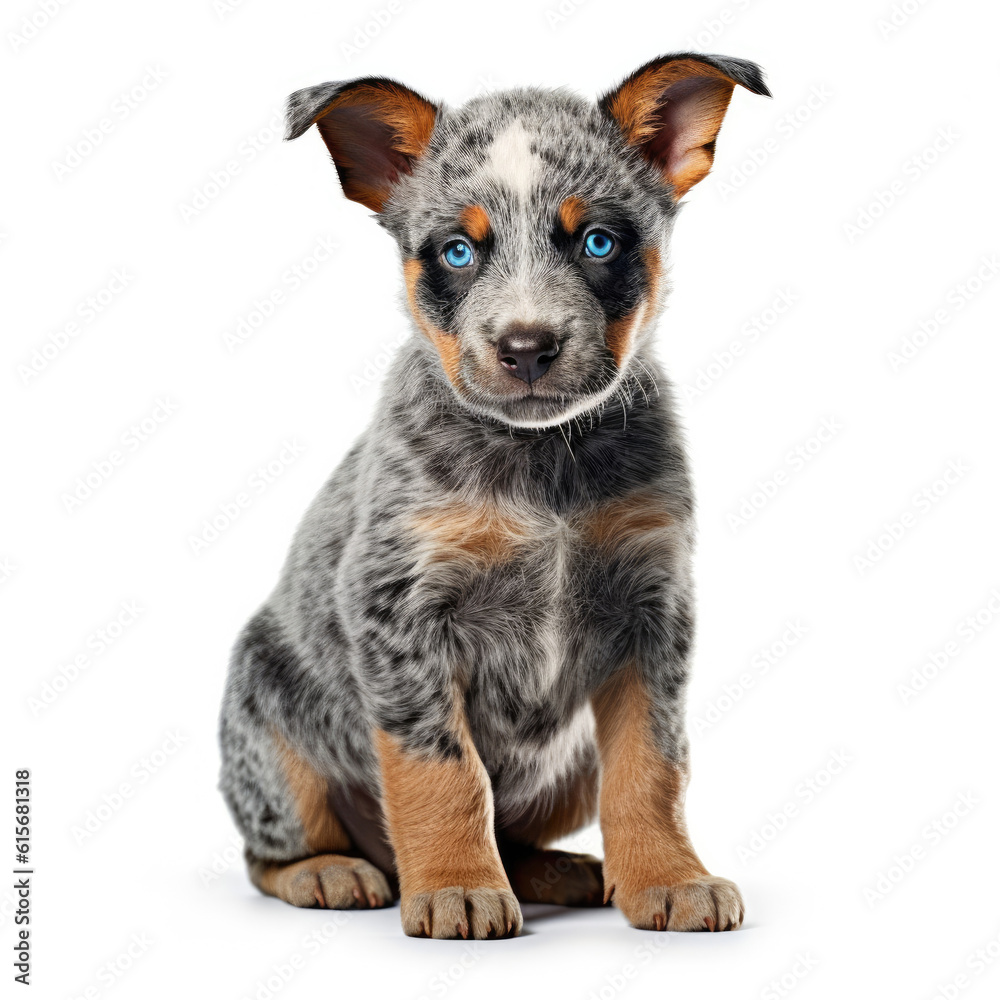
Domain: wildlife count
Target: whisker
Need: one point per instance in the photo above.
(649, 375)
(568, 448)
(620, 396)
(638, 382)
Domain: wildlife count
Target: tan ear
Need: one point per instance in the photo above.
(671, 109)
(374, 129)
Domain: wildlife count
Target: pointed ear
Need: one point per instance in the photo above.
(374, 128)
(671, 109)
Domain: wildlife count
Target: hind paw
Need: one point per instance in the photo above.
(329, 881)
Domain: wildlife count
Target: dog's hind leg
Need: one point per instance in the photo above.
(294, 819)
(562, 878)
(326, 878)
(330, 881)
(305, 857)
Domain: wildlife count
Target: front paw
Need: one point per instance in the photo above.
(456, 912)
(704, 903)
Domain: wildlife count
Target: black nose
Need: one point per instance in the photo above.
(527, 351)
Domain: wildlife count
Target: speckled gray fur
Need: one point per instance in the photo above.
(363, 631)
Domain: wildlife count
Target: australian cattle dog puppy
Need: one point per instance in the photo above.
(480, 639)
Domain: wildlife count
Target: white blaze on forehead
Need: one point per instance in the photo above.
(509, 159)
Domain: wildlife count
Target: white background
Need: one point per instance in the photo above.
(864, 192)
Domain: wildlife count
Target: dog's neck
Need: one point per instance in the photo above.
(627, 443)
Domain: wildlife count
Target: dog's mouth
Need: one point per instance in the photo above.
(523, 385)
(543, 403)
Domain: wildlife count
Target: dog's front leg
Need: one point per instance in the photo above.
(650, 865)
(439, 808)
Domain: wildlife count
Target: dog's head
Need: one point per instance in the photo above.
(532, 224)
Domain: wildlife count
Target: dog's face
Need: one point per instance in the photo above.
(532, 224)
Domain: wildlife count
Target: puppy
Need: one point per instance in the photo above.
(480, 639)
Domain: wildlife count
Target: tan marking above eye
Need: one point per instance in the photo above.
(446, 343)
(475, 222)
(571, 213)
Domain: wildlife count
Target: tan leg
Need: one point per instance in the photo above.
(650, 866)
(440, 818)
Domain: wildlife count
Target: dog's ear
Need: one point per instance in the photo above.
(671, 110)
(374, 128)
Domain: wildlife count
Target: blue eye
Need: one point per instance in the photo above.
(458, 253)
(598, 244)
